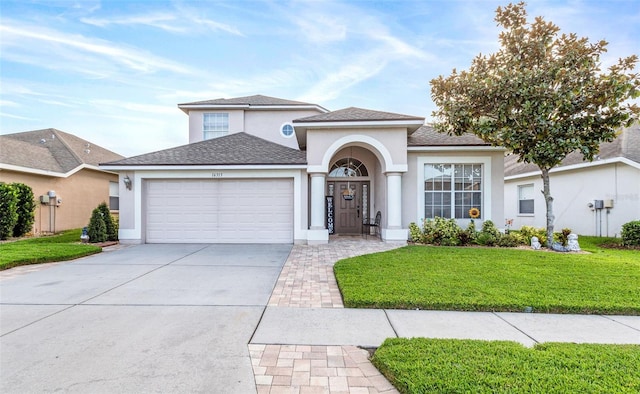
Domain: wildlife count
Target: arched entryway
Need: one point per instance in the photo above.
(348, 183)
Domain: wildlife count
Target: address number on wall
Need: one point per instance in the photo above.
(216, 174)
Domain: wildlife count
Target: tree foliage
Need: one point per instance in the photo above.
(542, 96)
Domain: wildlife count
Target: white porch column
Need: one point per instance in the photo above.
(317, 231)
(394, 230)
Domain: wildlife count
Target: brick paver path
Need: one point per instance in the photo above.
(315, 369)
(307, 279)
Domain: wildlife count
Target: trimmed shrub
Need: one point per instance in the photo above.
(441, 231)
(97, 229)
(112, 230)
(415, 233)
(8, 210)
(510, 240)
(528, 232)
(26, 207)
(631, 233)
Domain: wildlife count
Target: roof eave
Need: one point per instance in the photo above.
(432, 148)
(164, 167)
(187, 107)
(571, 167)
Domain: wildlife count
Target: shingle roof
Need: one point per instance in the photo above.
(51, 150)
(233, 149)
(353, 114)
(626, 145)
(428, 136)
(256, 100)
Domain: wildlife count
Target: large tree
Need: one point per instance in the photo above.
(541, 96)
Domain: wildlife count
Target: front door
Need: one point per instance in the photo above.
(348, 200)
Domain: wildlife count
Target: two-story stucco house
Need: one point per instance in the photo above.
(263, 169)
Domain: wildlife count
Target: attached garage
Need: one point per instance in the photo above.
(219, 210)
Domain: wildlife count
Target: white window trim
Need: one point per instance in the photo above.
(486, 180)
(204, 132)
(518, 200)
(282, 130)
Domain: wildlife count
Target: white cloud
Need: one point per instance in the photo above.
(157, 20)
(33, 45)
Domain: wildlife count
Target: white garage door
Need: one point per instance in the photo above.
(219, 211)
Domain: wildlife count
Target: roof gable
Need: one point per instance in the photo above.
(232, 149)
(51, 150)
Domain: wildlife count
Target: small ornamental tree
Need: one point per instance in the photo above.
(26, 207)
(541, 96)
(97, 229)
(112, 232)
(8, 210)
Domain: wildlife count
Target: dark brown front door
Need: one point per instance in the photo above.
(348, 211)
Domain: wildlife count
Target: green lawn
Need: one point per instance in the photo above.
(605, 281)
(421, 365)
(65, 246)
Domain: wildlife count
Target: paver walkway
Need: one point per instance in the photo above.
(307, 281)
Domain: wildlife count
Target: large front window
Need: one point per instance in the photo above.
(452, 190)
(215, 125)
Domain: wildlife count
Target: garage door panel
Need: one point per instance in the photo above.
(219, 211)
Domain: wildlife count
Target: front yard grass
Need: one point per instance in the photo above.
(65, 246)
(421, 365)
(604, 281)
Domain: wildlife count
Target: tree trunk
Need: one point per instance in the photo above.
(549, 201)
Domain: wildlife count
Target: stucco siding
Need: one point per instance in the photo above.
(79, 193)
(572, 192)
(267, 124)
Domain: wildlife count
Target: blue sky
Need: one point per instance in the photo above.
(113, 72)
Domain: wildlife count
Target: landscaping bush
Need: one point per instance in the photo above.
(563, 237)
(415, 233)
(25, 209)
(528, 232)
(111, 228)
(8, 210)
(510, 240)
(631, 233)
(441, 231)
(97, 229)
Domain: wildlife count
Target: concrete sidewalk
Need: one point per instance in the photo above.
(370, 327)
(307, 342)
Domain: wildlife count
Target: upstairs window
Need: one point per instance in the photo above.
(215, 125)
(525, 200)
(287, 130)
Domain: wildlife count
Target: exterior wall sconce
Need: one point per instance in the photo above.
(127, 182)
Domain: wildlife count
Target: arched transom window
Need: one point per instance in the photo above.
(350, 167)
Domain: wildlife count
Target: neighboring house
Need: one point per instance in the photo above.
(590, 198)
(62, 170)
(263, 169)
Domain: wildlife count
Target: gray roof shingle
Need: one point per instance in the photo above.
(256, 100)
(428, 136)
(232, 149)
(353, 114)
(51, 150)
(626, 145)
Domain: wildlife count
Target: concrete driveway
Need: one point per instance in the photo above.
(169, 318)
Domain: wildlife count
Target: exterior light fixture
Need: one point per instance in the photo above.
(127, 182)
